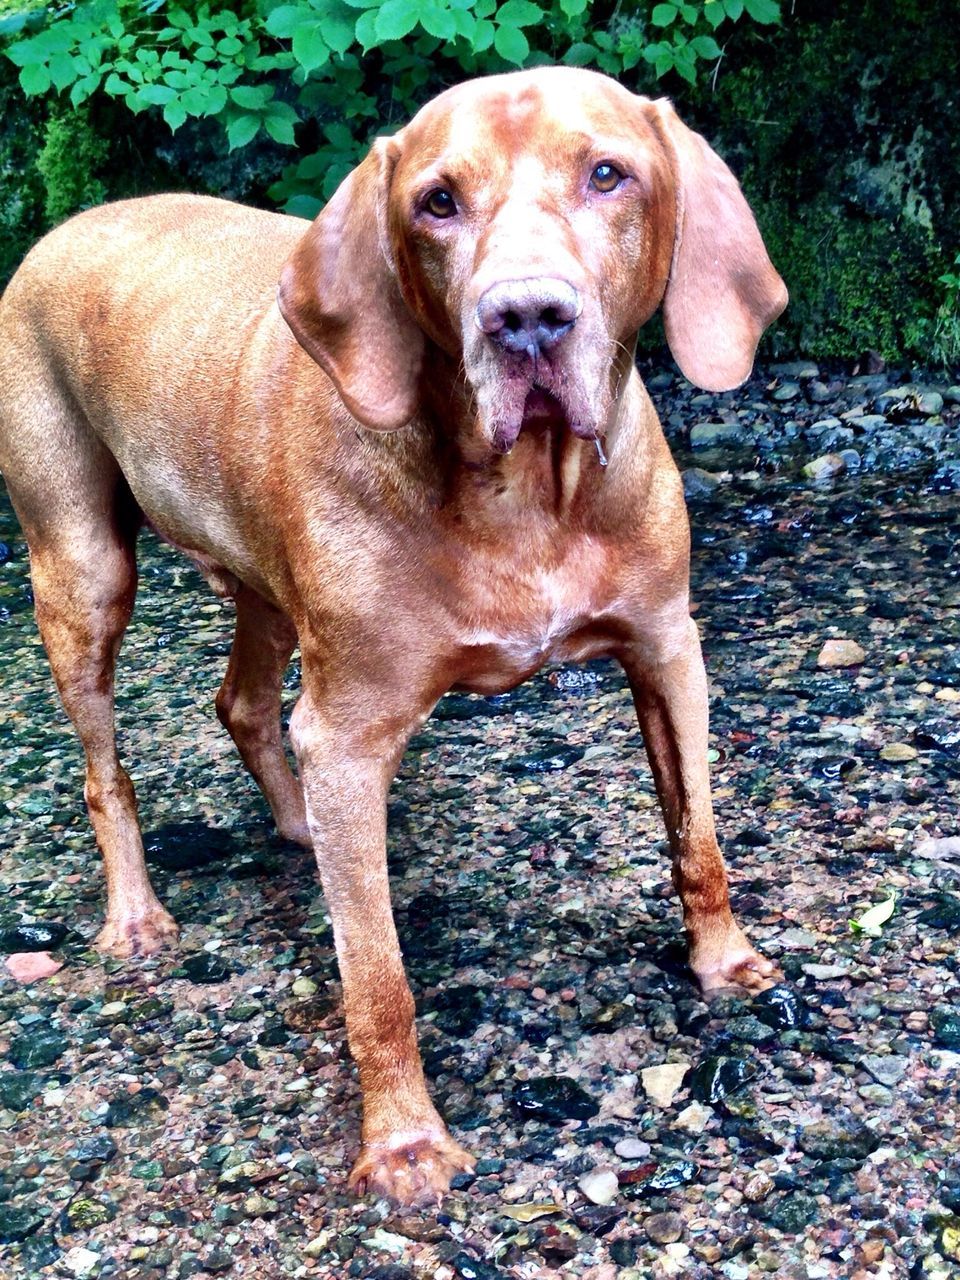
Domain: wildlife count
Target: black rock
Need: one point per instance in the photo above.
(188, 846)
(465, 706)
(666, 1177)
(18, 1223)
(781, 1007)
(548, 760)
(40, 1048)
(459, 1010)
(712, 1079)
(625, 1251)
(18, 1089)
(554, 1099)
(39, 1252)
(598, 1219)
(829, 1141)
(35, 935)
(98, 1148)
(944, 914)
(939, 735)
(130, 1110)
(473, 1269)
(945, 1022)
(792, 1213)
(205, 967)
(749, 1029)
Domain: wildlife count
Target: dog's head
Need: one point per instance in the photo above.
(528, 225)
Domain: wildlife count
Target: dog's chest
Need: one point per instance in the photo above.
(514, 618)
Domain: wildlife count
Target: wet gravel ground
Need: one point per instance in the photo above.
(195, 1114)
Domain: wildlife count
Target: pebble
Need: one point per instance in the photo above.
(662, 1083)
(663, 1228)
(825, 467)
(553, 1098)
(887, 1069)
(714, 1078)
(632, 1149)
(715, 435)
(81, 1262)
(693, 1118)
(898, 752)
(840, 653)
(35, 935)
(600, 1186)
(40, 1048)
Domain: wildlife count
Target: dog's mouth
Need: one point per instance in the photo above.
(541, 411)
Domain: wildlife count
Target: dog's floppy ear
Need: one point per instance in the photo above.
(723, 290)
(339, 295)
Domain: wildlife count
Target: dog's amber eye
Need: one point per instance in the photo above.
(440, 203)
(606, 177)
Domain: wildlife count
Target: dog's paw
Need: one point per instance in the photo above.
(410, 1168)
(725, 960)
(142, 935)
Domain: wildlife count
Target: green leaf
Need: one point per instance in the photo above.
(519, 13)
(35, 78)
(309, 47)
(663, 14)
(279, 121)
(365, 31)
(229, 46)
(155, 95)
(437, 20)
(282, 22)
(338, 29)
(396, 19)
(765, 11)
(252, 97)
(664, 62)
(466, 25)
(303, 206)
(82, 90)
(241, 130)
(483, 34)
(690, 13)
(174, 115)
(714, 13)
(511, 44)
(62, 70)
(872, 921)
(734, 9)
(573, 8)
(580, 55)
(705, 47)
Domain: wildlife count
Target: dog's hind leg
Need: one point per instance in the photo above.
(249, 705)
(81, 523)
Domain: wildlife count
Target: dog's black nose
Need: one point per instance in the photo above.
(522, 314)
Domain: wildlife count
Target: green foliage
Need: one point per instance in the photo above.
(266, 67)
(67, 163)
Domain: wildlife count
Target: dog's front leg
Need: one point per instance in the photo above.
(669, 687)
(348, 750)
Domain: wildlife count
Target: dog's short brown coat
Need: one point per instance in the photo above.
(369, 472)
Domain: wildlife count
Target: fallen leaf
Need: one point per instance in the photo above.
(530, 1212)
(31, 966)
(871, 921)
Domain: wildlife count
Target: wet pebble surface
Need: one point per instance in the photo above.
(195, 1114)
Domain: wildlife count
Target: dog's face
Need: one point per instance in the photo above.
(528, 225)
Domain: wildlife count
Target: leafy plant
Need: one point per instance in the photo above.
(354, 66)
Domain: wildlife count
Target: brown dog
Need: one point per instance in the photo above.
(396, 462)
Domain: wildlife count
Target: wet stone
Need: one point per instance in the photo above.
(713, 1079)
(548, 760)
(130, 1111)
(828, 1141)
(83, 1214)
(944, 914)
(18, 1089)
(780, 1007)
(664, 1178)
(38, 935)
(554, 1099)
(468, 1268)
(18, 1222)
(945, 1023)
(40, 1048)
(206, 967)
(664, 1228)
(750, 1030)
(793, 1212)
(886, 1069)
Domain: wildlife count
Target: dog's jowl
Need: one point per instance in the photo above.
(383, 435)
